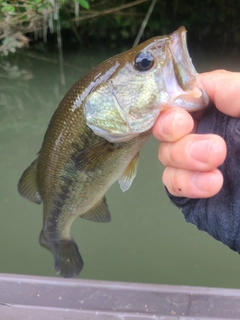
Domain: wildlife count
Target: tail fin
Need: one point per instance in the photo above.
(68, 261)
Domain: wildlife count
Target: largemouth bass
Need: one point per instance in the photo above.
(95, 136)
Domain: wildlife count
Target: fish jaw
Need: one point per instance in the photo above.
(188, 90)
(131, 100)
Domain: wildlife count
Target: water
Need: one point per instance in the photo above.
(147, 240)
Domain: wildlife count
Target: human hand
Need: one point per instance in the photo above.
(191, 160)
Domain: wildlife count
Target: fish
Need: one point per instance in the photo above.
(95, 136)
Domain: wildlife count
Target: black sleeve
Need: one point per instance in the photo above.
(220, 214)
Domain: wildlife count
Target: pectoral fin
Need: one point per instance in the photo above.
(99, 213)
(90, 158)
(27, 186)
(129, 174)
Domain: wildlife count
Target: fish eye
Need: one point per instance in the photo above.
(144, 61)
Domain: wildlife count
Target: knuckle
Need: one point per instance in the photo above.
(163, 154)
(174, 155)
(169, 155)
(174, 181)
(177, 183)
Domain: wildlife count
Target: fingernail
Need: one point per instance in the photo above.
(202, 180)
(199, 150)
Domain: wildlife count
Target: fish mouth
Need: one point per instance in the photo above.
(181, 59)
(185, 74)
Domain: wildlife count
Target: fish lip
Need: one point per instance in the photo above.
(183, 33)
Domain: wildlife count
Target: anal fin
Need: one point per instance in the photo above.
(99, 212)
(27, 185)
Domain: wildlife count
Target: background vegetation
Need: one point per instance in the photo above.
(25, 23)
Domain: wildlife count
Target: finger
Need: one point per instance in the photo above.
(190, 184)
(223, 87)
(173, 124)
(194, 152)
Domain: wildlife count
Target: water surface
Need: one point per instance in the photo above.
(147, 240)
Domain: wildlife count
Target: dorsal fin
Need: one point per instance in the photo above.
(129, 174)
(98, 213)
(27, 186)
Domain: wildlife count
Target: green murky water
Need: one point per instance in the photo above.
(147, 240)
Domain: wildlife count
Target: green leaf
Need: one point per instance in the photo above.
(40, 8)
(84, 4)
(8, 8)
(118, 20)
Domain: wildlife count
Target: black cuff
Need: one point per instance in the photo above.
(220, 214)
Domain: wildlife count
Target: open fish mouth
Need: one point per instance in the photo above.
(185, 74)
